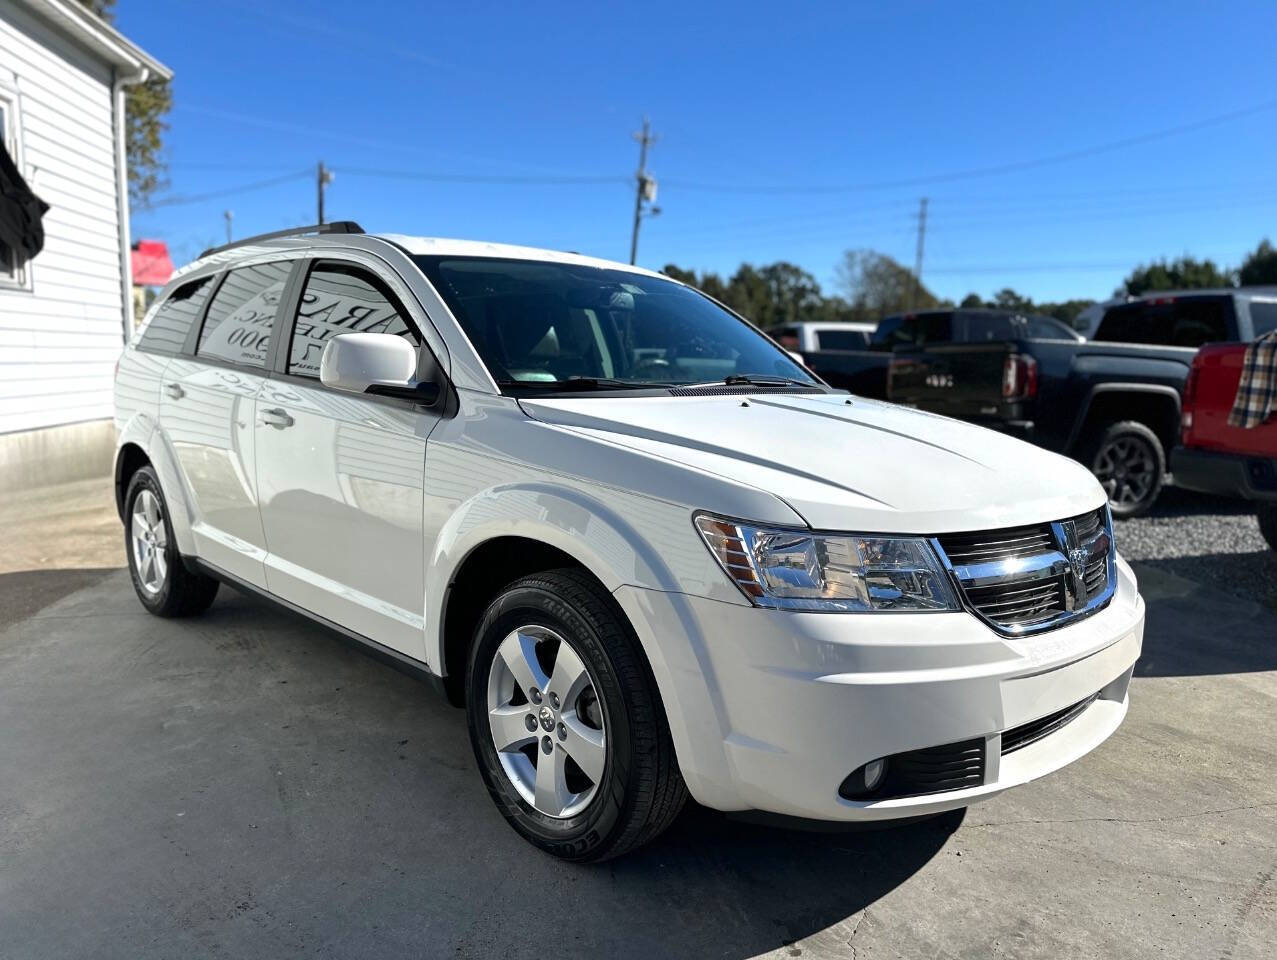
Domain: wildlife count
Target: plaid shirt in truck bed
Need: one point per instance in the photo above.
(1257, 390)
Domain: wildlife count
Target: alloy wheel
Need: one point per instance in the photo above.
(1127, 470)
(546, 721)
(150, 542)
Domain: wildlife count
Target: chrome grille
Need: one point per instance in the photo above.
(1032, 578)
(1020, 605)
(1001, 544)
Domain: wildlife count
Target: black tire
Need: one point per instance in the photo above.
(181, 592)
(641, 790)
(1129, 461)
(1266, 513)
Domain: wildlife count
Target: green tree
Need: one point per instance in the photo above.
(1260, 266)
(1008, 299)
(971, 301)
(1183, 273)
(875, 285)
(681, 275)
(771, 295)
(146, 105)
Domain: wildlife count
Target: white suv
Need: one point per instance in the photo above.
(649, 553)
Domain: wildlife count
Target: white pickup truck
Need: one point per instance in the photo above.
(648, 553)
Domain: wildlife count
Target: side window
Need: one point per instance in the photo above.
(991, 328)
(242, 314)
(342, 299)
(842, 339)
(166, 333)
(1263, 316)
(1044, 328)
(1169, 321)
(935, 328)
(896, 331)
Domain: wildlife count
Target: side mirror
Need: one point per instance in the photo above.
(381, 364)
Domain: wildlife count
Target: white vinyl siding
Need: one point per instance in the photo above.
(61, 335)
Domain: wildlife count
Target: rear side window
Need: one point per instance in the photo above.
(1263, 316)
(1169, 321)
(992, 327)
(1044, 328)
(166, 333)
(842, 339)
(242, 315)
(340, 299)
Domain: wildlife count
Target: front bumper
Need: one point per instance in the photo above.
(1225, 474)
(771, 710)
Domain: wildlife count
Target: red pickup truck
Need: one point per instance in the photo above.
(1217, 458)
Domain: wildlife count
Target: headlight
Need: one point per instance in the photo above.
(799, 570)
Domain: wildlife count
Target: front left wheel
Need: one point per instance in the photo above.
(162, 582)
(566, 722)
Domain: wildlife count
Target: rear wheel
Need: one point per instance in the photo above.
(1128, 460)
(162, 582)
(1267, 514)
(566, 722)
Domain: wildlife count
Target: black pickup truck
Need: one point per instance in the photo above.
(855, 357)
(1111, 402)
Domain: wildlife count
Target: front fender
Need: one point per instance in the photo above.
(584, 527)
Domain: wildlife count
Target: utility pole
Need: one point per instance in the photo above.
(916, 292)
(229, 216)
(323, 177)
(646, 186)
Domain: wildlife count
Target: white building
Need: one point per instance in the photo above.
(65, 314)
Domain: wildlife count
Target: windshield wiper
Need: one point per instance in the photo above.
(755, 380)
(579, 384)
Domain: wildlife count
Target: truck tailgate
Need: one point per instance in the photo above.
(1219, 368)
(957, 380)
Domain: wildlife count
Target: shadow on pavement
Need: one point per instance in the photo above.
(243, 783)
(1194, 630)
(26, 592)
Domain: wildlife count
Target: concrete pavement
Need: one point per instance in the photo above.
(244, 785)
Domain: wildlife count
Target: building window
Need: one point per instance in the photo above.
(13, 275)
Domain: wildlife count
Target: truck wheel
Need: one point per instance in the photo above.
(1128, 460)
(566, 722)
(162, 582)
(1267, 514)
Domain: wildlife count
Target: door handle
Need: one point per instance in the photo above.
(174, 390)
(276, 418)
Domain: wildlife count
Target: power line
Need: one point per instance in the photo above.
(1034, 268)
(547, 179)
(182, 199)
(990, 171)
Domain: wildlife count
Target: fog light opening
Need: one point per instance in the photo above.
(864, 781)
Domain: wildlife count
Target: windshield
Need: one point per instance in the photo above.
(542, 323)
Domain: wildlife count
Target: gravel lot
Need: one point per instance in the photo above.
(1213, 541)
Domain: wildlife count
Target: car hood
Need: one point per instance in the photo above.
(843, 463)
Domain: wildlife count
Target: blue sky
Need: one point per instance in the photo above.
(788, 131)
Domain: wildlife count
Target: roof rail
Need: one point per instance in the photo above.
(336, 226)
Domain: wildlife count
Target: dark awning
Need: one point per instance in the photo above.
(20, 211)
